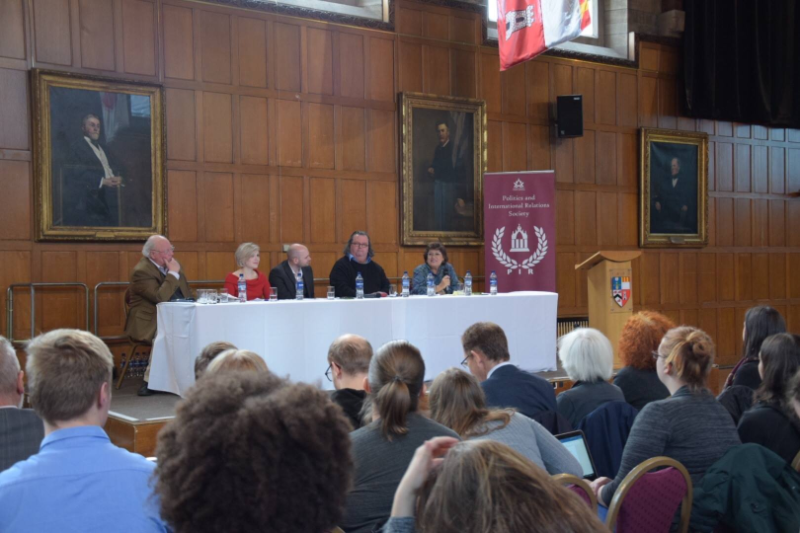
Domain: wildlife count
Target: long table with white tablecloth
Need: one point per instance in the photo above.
(293, 336)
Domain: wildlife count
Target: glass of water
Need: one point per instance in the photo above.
(223, 296)
(392, 290)
(331, 292)
(273, 294)
(202, 296)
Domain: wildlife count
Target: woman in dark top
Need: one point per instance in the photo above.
(383, 449)
(759, 323)
(690, 426)
(588, 358)
(640, 337)
(772, 422)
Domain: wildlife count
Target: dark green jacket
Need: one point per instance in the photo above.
(749, 489)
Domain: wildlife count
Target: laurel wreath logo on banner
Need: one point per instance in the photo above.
(512, 264)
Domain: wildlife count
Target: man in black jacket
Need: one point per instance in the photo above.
(284, 276)
(358, 258)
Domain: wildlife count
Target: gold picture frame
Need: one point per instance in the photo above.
(99, 157)
(673, 199)
(443, 151)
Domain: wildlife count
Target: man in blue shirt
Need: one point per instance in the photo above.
(486, 355)
(78, 481)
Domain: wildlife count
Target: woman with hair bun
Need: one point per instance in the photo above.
(690, 426)
(383, 449)
(772, 422)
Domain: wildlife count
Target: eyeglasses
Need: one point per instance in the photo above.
(655, 354)
(328, 373)
(360, 245)
(464, 362)
(170, 249)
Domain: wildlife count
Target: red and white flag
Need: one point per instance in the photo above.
(526, 28)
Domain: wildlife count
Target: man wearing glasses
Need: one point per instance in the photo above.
(348, 366)
(358, 259)
(156, 278)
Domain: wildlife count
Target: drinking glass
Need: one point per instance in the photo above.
(223, 296)
(273, 294)
(211, 296)
(202, 296)
(331, 292)
(392, 290)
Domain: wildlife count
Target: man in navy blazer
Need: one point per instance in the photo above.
(284, 276)
(486, 354)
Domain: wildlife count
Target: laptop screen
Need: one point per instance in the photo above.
(575, 443)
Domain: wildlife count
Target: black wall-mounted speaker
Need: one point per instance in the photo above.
(569, 113)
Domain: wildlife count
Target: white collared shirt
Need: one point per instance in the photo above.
(496, 367)
(101, 155)
(674, 182)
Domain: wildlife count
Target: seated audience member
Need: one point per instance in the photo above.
(208, 354)
(457, 401)
(772, 422)
(588, 358)
(759, 323)
(156, 278)
(690, 426)
(793, 393)
(21, 430)
(640, 338)
(486, 355)
(483, 486)
(248, 257)
(78, 481)
(357, 259)
(445, 279)
(253, 452)
(236, 360)
(348, 360)
(284, 276)
(383, 448)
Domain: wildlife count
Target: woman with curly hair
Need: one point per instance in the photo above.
(478, 486)
(383, 448)
(252, 452)
(458, 402)
(772, 422)
(640, 338)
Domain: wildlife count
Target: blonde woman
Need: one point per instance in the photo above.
(248, 257)
(234, 360)
(457, 401)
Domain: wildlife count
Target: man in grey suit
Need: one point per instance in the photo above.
(21, 430)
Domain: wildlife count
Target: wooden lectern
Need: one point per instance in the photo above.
(610, 293)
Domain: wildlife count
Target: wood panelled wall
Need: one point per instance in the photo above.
(282, 130)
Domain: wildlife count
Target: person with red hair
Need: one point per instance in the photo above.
(639, 340)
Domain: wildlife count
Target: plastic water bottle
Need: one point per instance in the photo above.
(468, 284)
(242, 288)
(299, 286)
(359, 286)
(406, 284)
(431, 287)
(493, 284)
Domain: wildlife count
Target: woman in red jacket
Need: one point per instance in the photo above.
(248, 256)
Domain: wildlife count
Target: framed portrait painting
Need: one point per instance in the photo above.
(98, 158)
(673, 201)
(443, 162)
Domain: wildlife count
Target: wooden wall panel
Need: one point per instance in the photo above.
(352, 197)
(320, 61)
(97, 34)
(15, 215)
(252, 50)
(288, 138)
(321, 145)
(139, 37)
(14, 123)
(215, 47)
(464, 73)
(288, 59)
(181, 135)
(291, 202)
(323, 198)
(380, 141)
(182, 205)
(254, 131)
(51, 27)
(217, 128)
(352, 138)
(380, 69)
(12, 38)
(351, 64)
(256, 220)
(410, 70)
(178, 43)
(382, 221)
(436, 68)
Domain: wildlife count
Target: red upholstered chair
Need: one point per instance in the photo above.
(646, 500)
(579, 487)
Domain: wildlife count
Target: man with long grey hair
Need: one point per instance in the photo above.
(21, 430)
(357, 259)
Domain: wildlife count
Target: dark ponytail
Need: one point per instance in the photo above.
(396, 374)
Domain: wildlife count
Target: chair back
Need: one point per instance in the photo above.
(607, 429)
(649, 496)
(578, 486)
(796, 462)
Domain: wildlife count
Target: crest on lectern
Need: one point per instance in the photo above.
(621, 289)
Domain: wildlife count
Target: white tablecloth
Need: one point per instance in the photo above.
(293, 336)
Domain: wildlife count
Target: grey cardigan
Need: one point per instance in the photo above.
(690, 427)
(584, 397)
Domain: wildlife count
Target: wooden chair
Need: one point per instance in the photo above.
(796, 462)
(646, 500)
(132, 343)
(578, 486)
